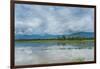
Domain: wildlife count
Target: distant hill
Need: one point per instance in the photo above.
(83, 34)
(36, 36)
(46, 36)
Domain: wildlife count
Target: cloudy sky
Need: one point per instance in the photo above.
(37, 19)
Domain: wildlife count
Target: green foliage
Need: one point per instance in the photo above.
(63, 37)
(73, 38)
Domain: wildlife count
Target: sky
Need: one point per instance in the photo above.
(54, 20)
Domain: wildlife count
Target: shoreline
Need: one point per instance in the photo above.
(54, 40)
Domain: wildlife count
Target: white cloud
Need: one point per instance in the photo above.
(33, 19)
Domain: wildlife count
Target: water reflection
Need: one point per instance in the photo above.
(52, 52)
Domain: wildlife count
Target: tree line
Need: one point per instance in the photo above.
(63, 37)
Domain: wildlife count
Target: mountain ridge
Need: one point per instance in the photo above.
(46, 36)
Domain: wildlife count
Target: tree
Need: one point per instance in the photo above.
(63, 37)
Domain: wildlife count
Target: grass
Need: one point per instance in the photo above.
(55, 40)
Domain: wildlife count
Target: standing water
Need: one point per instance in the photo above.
(31, 53)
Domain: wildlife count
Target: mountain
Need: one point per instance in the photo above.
(36, 36)
(46, 36)
(83, 34)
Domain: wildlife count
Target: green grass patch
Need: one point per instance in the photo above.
(59, 41)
